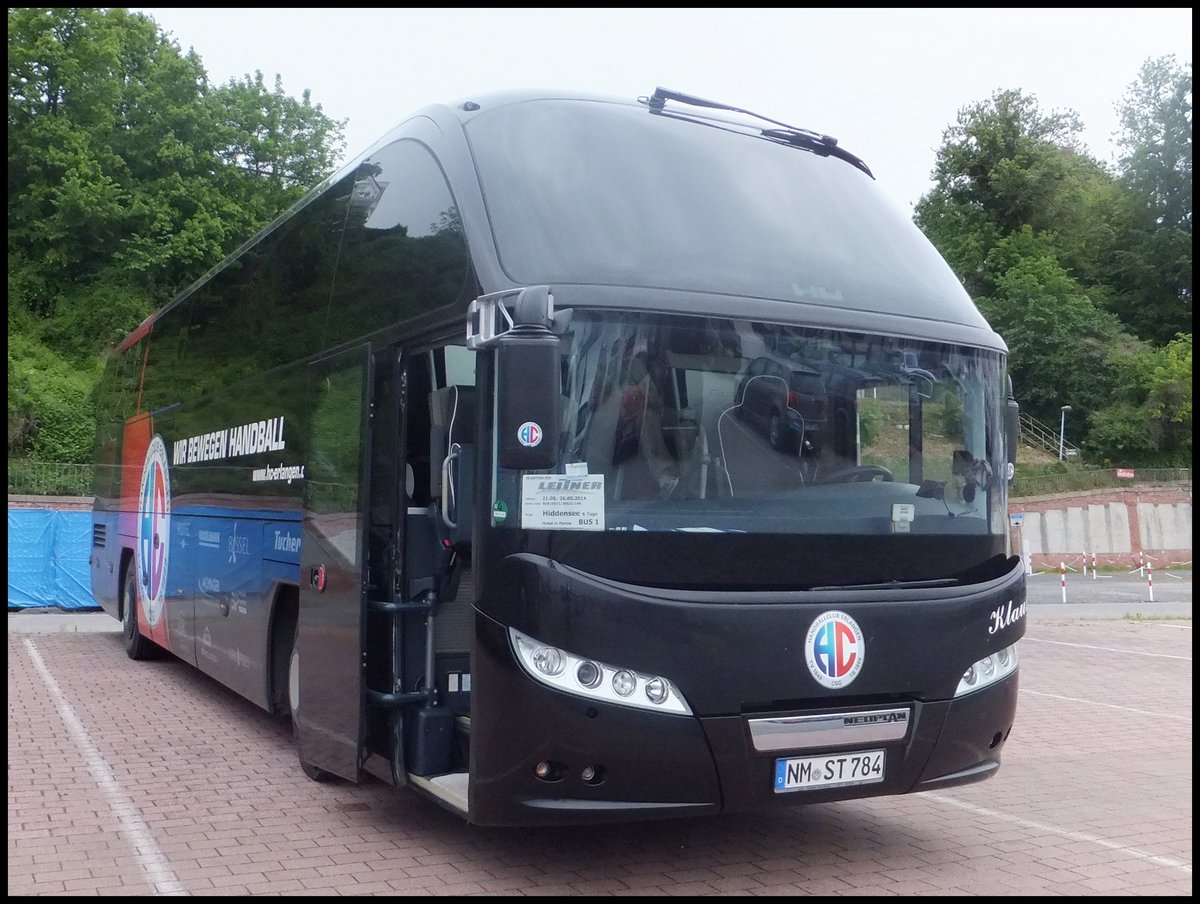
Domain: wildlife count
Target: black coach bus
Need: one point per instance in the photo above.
(571, 459)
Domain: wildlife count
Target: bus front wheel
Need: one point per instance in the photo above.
(316, 773)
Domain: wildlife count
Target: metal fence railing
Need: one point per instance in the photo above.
(1035, 433)
(47, 478)
(1076, 479)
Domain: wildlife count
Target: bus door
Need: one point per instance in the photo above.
(443, 415)
(420, 617)
(326, 685)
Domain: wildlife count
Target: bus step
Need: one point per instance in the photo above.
(449, 789)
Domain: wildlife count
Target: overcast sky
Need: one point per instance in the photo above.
(886, 83)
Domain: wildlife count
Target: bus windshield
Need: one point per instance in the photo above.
(715, 426)
(607, 194)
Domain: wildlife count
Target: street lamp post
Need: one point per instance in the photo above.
(1062, 430)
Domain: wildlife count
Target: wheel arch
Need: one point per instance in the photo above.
(124, 571)
(285, 609)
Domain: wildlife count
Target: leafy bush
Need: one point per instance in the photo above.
(50, 416)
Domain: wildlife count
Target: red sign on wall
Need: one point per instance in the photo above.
(1124, 473)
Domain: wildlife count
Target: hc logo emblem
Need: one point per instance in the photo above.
(834, 649)
(529, 434)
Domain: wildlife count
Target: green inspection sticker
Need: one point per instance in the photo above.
(499, 511)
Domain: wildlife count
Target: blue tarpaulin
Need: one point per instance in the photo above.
(48, 559)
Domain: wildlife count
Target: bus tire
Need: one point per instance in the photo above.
(314, 772)
(137, 645)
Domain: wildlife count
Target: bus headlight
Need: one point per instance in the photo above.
(595, 680)
(988, 670)
(657, 690)
(624, 683)
(589, 674)
(548, 660)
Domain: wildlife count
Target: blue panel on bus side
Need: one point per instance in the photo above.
(230, 629)
(229, 511)
(281, 541)
(224, 564)
(228, 550)
(279, 573)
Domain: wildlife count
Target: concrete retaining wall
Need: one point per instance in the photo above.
(55, 503)
(1125, 527)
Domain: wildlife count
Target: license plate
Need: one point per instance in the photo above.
(830, 770)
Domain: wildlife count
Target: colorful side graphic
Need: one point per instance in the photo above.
(154, 531)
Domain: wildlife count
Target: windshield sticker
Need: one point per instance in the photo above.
(500, 511)
(529, 434)
(553, 502)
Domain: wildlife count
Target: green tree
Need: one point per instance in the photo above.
(1037, 230)
(129, 177)
(1154, 266)
(1006, 165)
(999, 169)
(1149, 420)
(1056, 336)
(286, 143)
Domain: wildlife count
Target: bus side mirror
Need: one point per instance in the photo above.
(528, 390)
(1012, 431)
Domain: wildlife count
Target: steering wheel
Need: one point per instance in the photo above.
(859, 474)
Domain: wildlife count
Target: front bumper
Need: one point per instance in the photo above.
(947, 743)
(648, 765)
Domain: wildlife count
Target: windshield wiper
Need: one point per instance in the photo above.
(824, 145)
(890, 585)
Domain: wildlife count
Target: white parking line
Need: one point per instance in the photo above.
(1128, 709)
(1170, 862)
(1084, 646)
(146, 851)
(1169, 625)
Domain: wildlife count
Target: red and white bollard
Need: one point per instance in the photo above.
(1150, 579)
(1062, 568)
(1094, 566)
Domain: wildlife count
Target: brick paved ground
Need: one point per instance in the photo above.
(132, 778)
